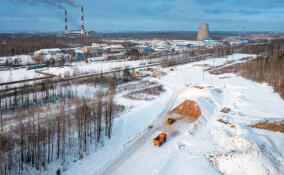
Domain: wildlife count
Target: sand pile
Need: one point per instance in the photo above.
(189, 109)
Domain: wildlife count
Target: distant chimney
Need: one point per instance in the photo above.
(82, 22)
(66, 32)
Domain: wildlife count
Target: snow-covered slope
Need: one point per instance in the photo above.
(206, 146)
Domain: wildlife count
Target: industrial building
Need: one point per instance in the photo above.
(203, 32)
(82, 32)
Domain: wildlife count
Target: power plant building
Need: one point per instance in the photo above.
(82, 32)
(203, 32)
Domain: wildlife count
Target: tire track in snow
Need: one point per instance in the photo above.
(114, 164)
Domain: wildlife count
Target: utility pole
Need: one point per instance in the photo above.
(213, 63)
(1, 113)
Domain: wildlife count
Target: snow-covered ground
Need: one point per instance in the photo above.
(74, 68)
(18, 59)
(93, 67)
(203, 147)
(19, 74)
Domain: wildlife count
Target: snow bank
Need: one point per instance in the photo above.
(234, 143)
(240, 156)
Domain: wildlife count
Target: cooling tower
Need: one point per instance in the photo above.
(203, 32)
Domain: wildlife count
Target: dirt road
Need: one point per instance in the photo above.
(146, 137)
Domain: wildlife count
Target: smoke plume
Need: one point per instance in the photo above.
(57, 3)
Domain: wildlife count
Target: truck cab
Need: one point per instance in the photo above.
(160, 139)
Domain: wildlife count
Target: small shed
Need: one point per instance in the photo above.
(79, 53)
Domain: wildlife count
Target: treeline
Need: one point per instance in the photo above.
(174, 60)
(264, 48)
(268, 67)
(63, 132)
(54, 90)
(23, 45)
(171, 35)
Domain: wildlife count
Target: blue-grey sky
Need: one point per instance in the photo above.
(143, 15)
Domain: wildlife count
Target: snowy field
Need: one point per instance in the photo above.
(19, 74)
(74, 68)
(18, 59)
(93, 67)
(79, 68)
(206, 146)
(104, 66)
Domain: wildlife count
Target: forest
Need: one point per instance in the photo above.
(67, 130)
(267, 67)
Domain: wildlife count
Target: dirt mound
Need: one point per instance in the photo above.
(272, 126)
(189, 109)
(225, 110)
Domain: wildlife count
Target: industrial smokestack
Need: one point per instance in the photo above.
(66, 31)
(82, 22)
(203, 32)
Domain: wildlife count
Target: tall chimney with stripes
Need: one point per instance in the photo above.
(66, 31)
(82, 22)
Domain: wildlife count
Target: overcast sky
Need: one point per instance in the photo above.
(143, 15)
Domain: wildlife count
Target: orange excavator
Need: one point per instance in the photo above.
(160, 139)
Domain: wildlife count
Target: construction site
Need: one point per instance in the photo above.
(164, 110)
(142, 94)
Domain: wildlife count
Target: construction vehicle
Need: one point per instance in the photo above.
(160, 139)
(137, 74)
(198, 87)
(169, 121)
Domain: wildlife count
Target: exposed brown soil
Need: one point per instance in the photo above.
(188, 109)
(187, 112)
(224, 121)
(225, 110)
(273, 126)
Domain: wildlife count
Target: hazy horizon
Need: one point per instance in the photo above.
(134, 31)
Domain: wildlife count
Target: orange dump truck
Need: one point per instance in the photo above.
(161, 138)
(198, 87)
